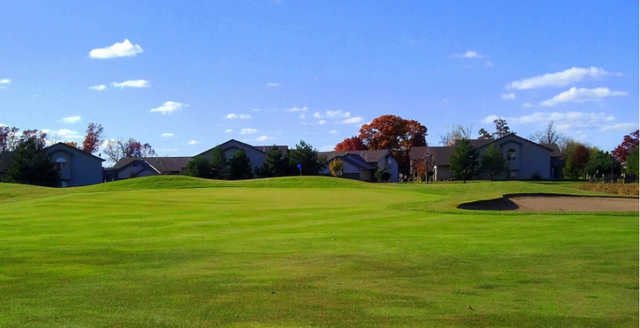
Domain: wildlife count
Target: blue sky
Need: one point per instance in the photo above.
(187, 76)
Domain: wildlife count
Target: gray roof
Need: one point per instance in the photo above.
(164, 165)
(73, 149)
(369, 156)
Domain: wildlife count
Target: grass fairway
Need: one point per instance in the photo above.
(308, 252)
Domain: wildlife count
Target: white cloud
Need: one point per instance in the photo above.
(71, 119)
(99, 87)
(469, 54)
(317, 115)
(352, 120)
(563, 121)
(580, 95)
(527, 105)
(248, 131)
(167, 135)
(297, 109)
(228, 130)
(322, 122)
(508, 96)
(490, 119)
(302, 116)
(233, 116)
(192, 142)
(272, 84)
(262, 138)
(337, 113)
(619, 127)
(62, 134)
(131, 84)
(5, 81)
(558, 79)
(168, 107)
(333, 131)
(118, 49)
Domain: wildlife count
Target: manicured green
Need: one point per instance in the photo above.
(308, 252)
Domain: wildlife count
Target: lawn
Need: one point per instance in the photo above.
(308, 252)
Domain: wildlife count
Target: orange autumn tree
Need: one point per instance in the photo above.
(388, 132)
(353, 143)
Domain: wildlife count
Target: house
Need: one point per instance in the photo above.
(362, 164)
(254, 153)
(525, 159)
(141, 167)
(76, 167)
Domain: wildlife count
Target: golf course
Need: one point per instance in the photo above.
(175, 251)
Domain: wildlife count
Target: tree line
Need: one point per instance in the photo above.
(303, 159)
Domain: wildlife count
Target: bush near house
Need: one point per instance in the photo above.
(336, 167)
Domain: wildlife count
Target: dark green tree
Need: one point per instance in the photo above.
(631, 163)
(219, 165)
(602, 165)
(275, 164)
(492, 162)
(240, 166)
(30, 164)
(198, 167)
(305, 155)
(463, 161)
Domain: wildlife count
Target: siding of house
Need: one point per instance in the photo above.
(136, 169)
(76, 167)
(525, 159)
(391, 165)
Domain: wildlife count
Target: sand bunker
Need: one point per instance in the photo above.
(554, 203)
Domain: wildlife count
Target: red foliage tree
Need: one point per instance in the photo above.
(394, 133)
(630, 142)
(353, 143)
(94, 137)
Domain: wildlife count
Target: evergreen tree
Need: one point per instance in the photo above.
(275, 164)
(464, 161)
(492, 162)
(30, 164)
(219, 164)
(240, 166)
(198, 167)
(305, 155)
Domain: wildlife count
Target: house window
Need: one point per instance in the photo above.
(511, 154)
(61, 163)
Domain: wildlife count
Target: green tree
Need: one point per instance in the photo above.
(219, 164)
(631, 163)
(275, 164)
(305, 155)
(240, 166)
(602, 165)
(198, 167)
(463, 161)
(30, 164)
(492, 162)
